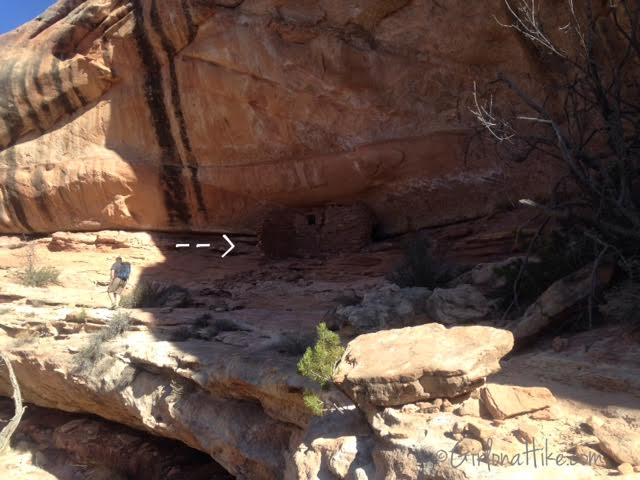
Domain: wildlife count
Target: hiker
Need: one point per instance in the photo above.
(120, 272)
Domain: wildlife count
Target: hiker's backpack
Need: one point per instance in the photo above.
(124, 271)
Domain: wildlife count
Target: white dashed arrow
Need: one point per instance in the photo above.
(207, 245)
(232, 246)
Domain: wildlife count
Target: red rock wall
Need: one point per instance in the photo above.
(202, 115)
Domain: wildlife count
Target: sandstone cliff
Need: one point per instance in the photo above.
(201, 115)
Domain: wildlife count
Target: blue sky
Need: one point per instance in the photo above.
(20, 12)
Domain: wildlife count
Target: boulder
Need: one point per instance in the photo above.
(487, 276)
(65, 241)
(617, 440)
(547, 414)
(470, 407)
(408, 365)
(556, 299)
(479, 431)
(587, 455)
(404, 461)
(625, 469)
(504, 401)
(461, 304)
(336, 445)
(428, 450)
(526, 433)
(340, 460)
(503, 451)
(468, 446)
(385, 307)
(392, 423)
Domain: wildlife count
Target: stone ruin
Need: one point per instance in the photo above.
(315, 231)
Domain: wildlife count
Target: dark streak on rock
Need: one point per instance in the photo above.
(64, 194)
(3, 195)
(88, 17)
(44, 106)
(63, 44)
(8, 107)
(191, 26)
(38, 183)
(55, 14)
(12, 193)
(57, 82)
(176, 102)
(171, 175)
(83, 100)
(24, 93)
(36, 79)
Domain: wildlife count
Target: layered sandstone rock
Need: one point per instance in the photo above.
(407, 365)
(454, 306)
(141, 382)
(618, 440)
(503, 401)
(387, 306)
(202, 115)
(76, 447)
(560, 296)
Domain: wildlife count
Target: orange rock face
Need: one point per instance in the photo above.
(202, 115)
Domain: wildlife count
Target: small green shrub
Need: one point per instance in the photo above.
(318, 362)
(34, 276)
(314, 403)
(90, 355)
(420, 267)
(118, 324)
(25, 337)
(81, 316)
(151, 294)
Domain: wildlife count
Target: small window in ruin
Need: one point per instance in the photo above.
(311, 219)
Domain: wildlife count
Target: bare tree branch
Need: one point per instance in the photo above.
(499, 129)
(10, 428)
(526, 21)
(587, 117)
